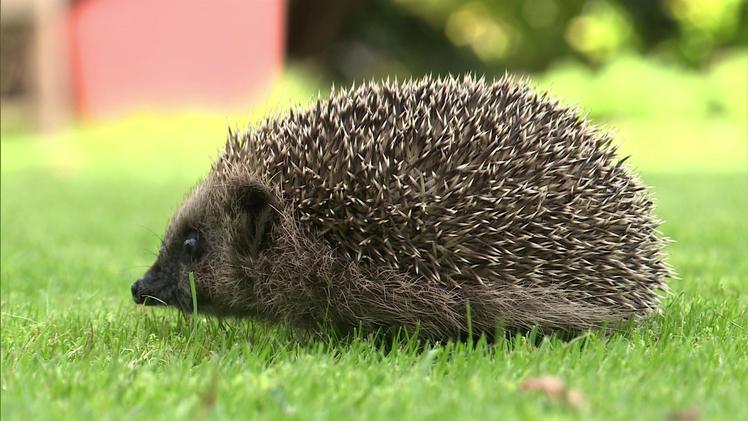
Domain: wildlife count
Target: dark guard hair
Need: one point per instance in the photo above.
(401, 205)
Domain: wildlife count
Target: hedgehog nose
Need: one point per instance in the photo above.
(136, 292)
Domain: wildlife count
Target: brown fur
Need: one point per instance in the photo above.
(403, 205)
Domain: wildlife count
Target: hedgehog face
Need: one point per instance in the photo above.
(167, 281)
(220, 228)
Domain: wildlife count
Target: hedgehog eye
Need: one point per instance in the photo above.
(191, 245)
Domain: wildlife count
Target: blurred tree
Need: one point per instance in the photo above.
(353, 39)
(705, 25)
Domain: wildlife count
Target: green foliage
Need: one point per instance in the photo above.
(401, 36)
(632, 88)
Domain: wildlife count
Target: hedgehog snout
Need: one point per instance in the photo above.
(137, 290)
(144, 291)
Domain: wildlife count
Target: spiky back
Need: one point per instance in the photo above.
(459, 181)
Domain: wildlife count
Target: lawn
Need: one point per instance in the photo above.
(81, 215)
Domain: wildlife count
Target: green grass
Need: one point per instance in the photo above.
(73, 344)
(81, 215)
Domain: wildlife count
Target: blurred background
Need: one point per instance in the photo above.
(98, 80)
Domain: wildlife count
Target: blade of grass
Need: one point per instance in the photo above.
(193, 292)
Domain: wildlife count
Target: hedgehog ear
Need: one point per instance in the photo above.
(256, 216)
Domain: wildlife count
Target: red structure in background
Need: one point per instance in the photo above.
(157, 53)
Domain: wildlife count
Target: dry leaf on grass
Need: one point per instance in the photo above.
(554, 388)
(575, 399)
(689, 414)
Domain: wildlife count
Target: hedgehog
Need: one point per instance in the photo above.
(449, 206)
